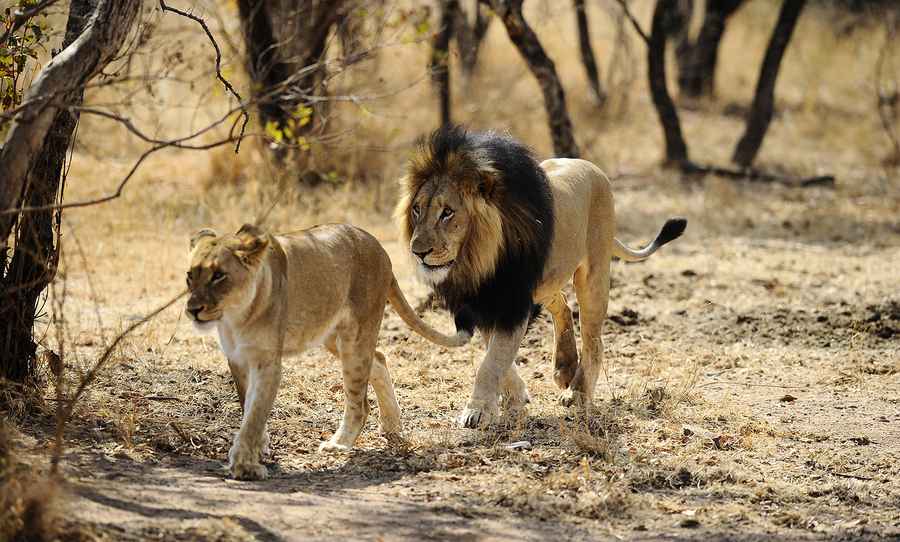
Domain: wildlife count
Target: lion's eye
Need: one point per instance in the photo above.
(218, 276)
(447, 213)
(415, 211)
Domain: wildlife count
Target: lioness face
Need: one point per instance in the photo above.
(440, 222)
(221, 273)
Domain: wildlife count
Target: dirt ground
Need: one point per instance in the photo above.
(751, 383)
(750, 390)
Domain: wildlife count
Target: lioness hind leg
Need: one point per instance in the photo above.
(565, 353)
(356, 366)
(388, 408)
(592, 289)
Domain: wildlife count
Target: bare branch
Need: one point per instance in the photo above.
(219, 76)
(634, 21)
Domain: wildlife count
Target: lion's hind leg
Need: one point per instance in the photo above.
(565, 353)
(388, 408)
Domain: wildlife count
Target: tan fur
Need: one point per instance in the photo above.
(272, 295)
(582, 249)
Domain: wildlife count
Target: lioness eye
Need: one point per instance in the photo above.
(415, 211)
(188, 279)
(217, 276)
(447, 213)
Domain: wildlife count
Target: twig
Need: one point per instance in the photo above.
(219, 76)
(750, 384)
(181, 434)
(634, 21)
(851, 476)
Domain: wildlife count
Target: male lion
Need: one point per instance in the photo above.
(494, 233)
(269, 295)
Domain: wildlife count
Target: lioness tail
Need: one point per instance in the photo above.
(671, 230)
(398, 301)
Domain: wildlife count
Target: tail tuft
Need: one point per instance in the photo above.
(671, 230)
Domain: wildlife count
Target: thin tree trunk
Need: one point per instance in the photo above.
(587, 53)
(764, 100)
(35, 151)
(469, 38)
(697, 66)
(440, 57)
(526, 41)
(676, 149)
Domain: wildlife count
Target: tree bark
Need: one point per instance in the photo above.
(587, 53)
(440, 56)
(94, 33)
(676, 149)
(764, 100)
(697, 62)
(526, 41)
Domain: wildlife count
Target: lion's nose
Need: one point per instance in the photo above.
(195, 311)
(422, 253)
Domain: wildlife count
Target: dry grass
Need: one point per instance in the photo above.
(772, 292)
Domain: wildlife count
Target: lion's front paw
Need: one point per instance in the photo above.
(249, 471)
(474, 416)
(333, 446)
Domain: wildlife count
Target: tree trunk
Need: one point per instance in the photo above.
(697, 65)
(440, 57)
(676, 149)
(587, 53)
(34, 151)
(526, 41)
(269, 74)
(764, 100)
(469, 38)
(285, 41)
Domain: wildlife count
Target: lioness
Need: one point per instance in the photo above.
(494, 233)
(270, 295)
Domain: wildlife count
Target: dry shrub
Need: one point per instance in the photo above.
(28, 504)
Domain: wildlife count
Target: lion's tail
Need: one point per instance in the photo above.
(671, 230)
(398, 301)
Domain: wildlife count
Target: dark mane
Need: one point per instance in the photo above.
(519, 191)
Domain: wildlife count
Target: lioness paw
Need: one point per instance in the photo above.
(249, 471)
(333, 446)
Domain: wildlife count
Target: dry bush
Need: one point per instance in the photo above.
(29, 504)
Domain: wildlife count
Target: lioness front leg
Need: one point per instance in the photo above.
(483, 406)
(246, 451)
(239, 375)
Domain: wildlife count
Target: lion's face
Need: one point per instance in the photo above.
(440, 222)
(221, 273)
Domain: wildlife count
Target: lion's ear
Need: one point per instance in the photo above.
(205, 232)
(252, 243)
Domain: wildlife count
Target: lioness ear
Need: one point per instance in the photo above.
(252, 243)
(205, 232)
